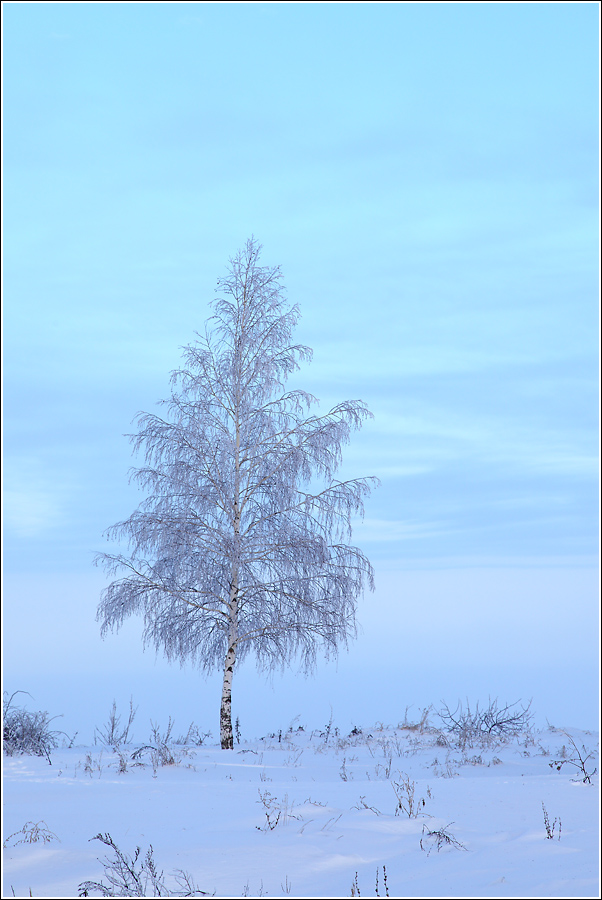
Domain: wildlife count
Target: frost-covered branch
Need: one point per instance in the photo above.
(234, 549)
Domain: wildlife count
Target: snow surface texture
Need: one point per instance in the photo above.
(320, 814)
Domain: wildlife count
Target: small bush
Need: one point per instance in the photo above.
(438, 838)
(163, 753)
(579, 759)
(161, 750)
(32, 833)
(93, 765)
(136, 876)
(486, 725)
(550, 828)
(276, 811)
(194, 736)
(421, 726)
(113, 734)
(408, 801)
(27, 732)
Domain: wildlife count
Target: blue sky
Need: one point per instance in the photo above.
(427, 176)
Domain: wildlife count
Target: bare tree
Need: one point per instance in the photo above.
(234, 548)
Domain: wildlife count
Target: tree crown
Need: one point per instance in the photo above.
(233, 546)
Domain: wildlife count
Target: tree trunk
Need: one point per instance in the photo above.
(225, 716)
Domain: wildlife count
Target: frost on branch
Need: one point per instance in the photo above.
(234, 549)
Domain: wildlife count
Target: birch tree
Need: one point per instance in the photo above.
(241, 544)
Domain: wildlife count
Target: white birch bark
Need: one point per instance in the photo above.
(225, 716)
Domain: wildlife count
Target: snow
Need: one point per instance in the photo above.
(299, 813)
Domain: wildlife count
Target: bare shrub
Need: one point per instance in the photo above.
(276, 811)
(195, 736)
(445, 770)
(32, 833)
(384, 770)
(93, 764)
(326, 733)
(363, 805)
(160, 749)
(578, 758)
(114, 734)
(550, 828)
(294, 760)
(408, 802)
(136, 876)
(421, 726)
(163, 750)
(472, 761)
(28, 732)
(482, 726)
(345, 775)
(122, 762)
(439, 838)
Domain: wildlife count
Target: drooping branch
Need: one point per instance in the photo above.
(235, 549)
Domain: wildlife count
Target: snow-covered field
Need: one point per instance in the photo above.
(383, 811)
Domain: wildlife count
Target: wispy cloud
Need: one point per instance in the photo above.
(423, 441)
(32, 506)
(370, 530)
